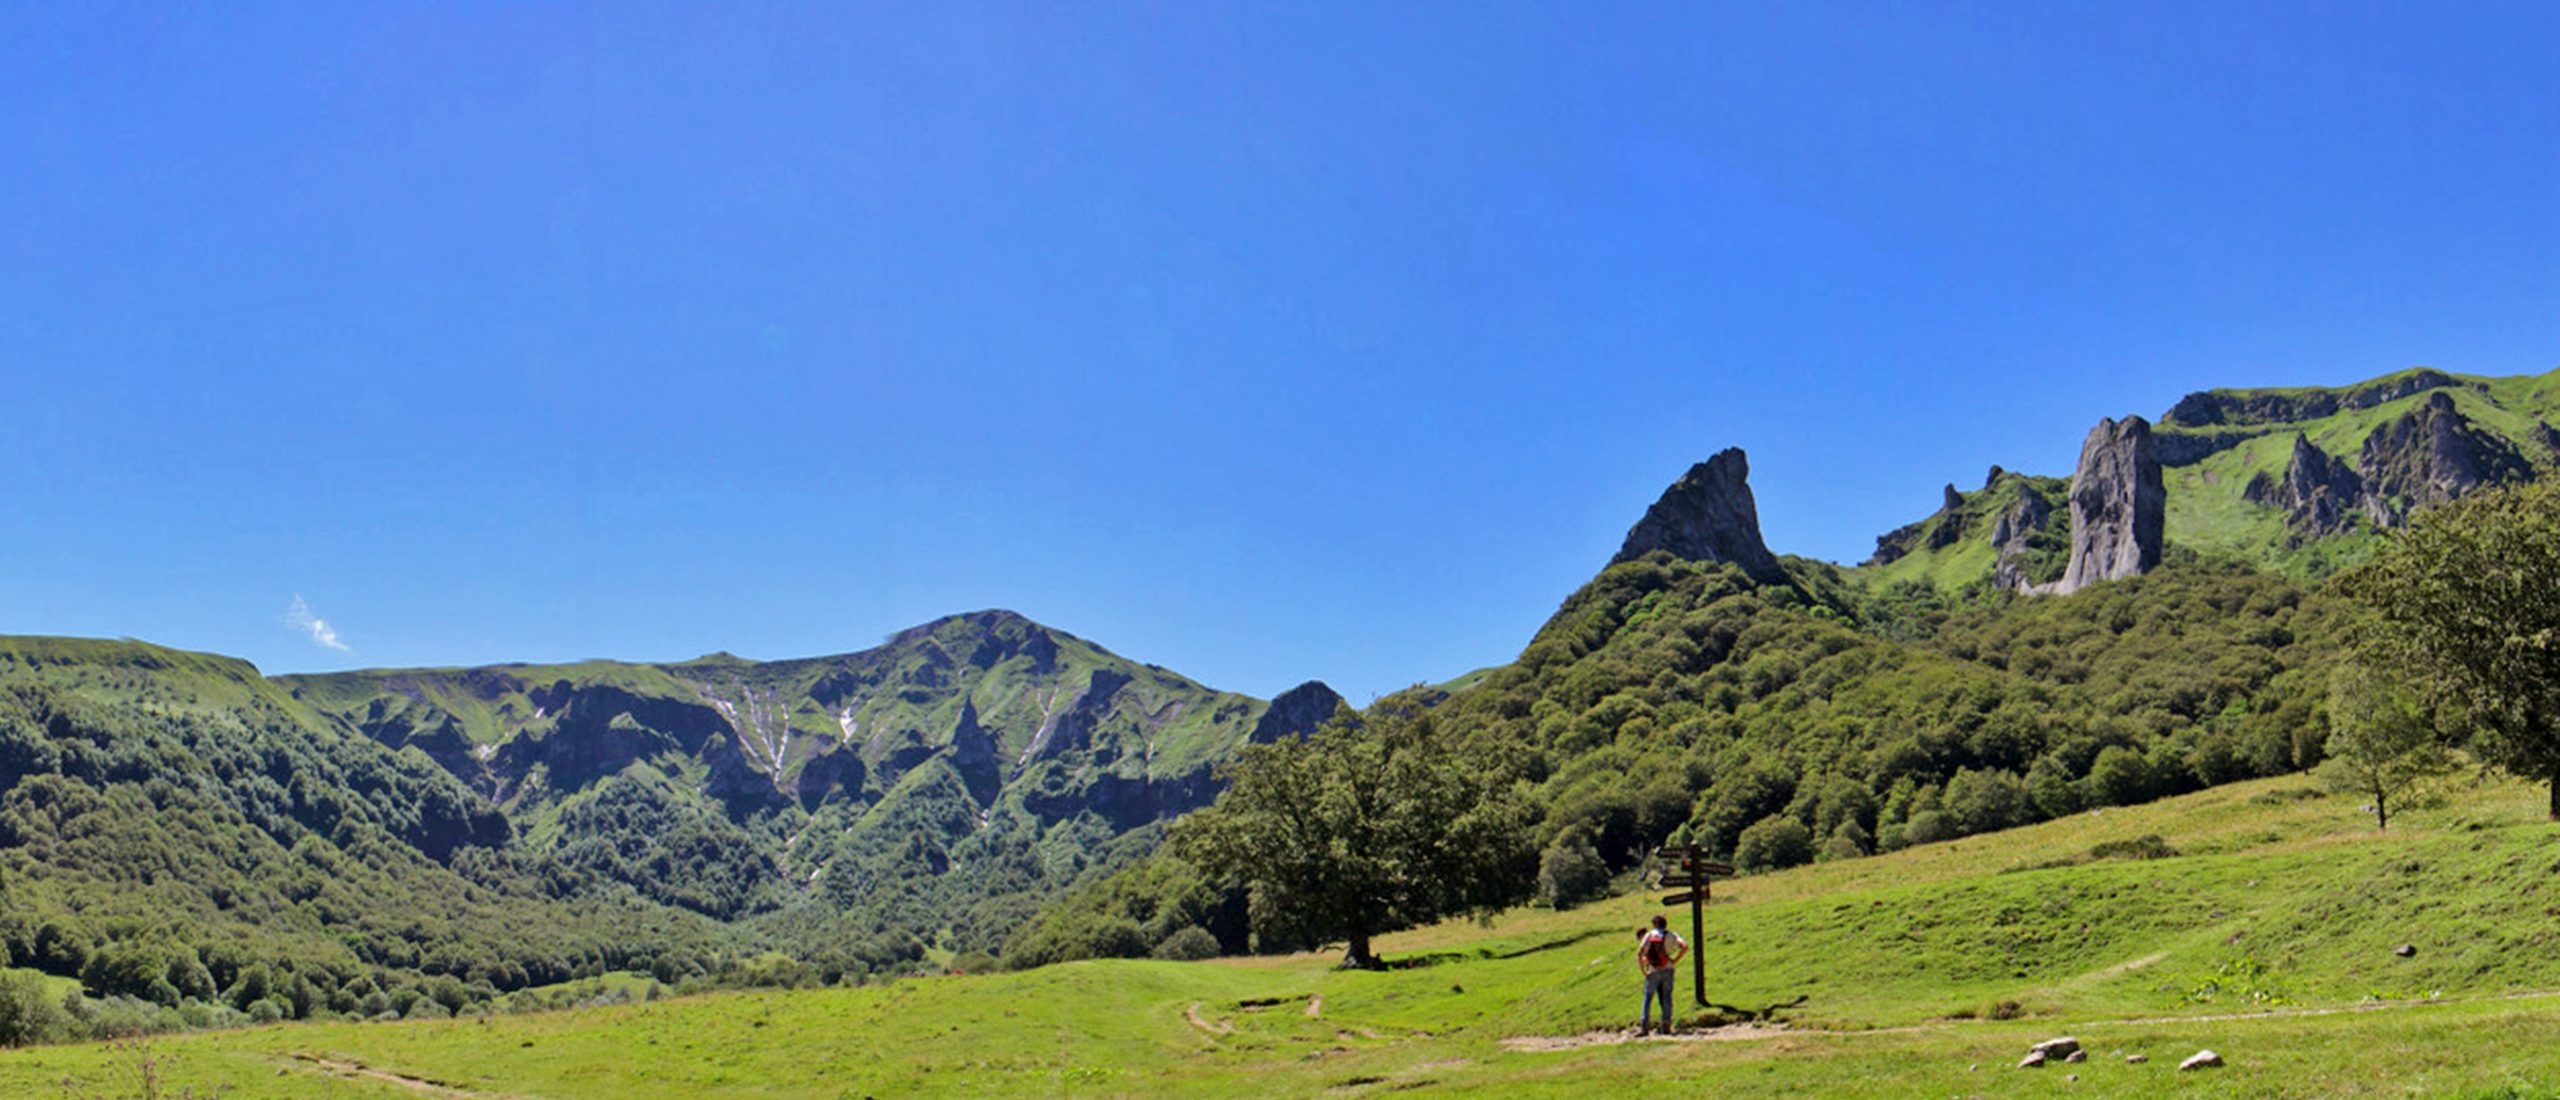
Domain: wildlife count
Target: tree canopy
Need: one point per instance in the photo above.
(1372, 823)
(2469, 601)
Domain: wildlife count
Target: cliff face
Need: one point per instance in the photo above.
(2319, 494)
(2213, 407)
(1296, 712)
(2118, 506)
(2430, 456)
(1707, 515)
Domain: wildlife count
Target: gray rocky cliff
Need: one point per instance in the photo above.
(2430, 455)
(1707, 515)
(2240, 407)
(2118, 506)
(2319, 494)
(1296, 712)
(2010, 535)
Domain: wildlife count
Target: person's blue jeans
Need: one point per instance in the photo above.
(1657, 984)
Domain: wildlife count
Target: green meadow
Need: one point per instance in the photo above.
(2259, 920)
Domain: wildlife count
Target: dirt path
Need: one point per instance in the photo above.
(1735, 1033)
(360, 1071)
(1205, 1025)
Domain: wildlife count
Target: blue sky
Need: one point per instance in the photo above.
(1263, 342)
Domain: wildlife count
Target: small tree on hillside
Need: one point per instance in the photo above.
(2469, 601)
(2380, 746)
(1570, 871)
(1372, 823)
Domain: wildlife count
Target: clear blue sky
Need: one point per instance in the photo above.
(1264, 342)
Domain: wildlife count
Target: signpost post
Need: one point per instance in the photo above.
(1694, 873)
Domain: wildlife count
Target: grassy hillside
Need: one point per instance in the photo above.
(2263, 927)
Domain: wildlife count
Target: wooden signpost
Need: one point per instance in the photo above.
(1694, 871)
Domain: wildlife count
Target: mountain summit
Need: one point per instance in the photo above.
(1707, 515)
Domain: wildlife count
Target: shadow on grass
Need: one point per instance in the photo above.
(1734, 1014)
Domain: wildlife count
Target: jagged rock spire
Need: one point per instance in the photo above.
(1707, 515)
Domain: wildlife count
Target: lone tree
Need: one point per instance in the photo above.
(2380, 745)
(2469, 601)
(1372, 823)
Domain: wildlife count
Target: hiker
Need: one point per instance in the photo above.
(1658, 954)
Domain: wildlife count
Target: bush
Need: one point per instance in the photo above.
(28, 1014)
(1774, 842)
(2120, 777)
(1570, 871)
(1191, 944)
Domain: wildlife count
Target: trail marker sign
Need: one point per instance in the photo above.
(1695, 872)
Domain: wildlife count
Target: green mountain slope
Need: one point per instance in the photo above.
(496, 828)
(931, 791)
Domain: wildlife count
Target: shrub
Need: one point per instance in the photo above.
(1191, 944)
(1570, 871)
(1774, 842)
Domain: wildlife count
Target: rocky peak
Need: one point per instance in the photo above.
(2430, 455)
(1950, 525)
(1296, 712)
(2118, 506)
(2318, 493)
(1707, 515)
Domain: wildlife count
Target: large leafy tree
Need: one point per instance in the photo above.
(2380, 745)
(2469, 598)
(1372, 823)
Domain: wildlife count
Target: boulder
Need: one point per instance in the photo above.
(2057, 1048)
(2405, 950)
(2202, 1059)
(2076, 1056)
(2136, 1059)
(2033, 1060)
(1707, 515)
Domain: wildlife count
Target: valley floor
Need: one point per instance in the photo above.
(2265, 929)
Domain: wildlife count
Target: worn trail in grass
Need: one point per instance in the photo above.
(2263, 927)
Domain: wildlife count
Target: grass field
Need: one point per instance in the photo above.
(2262, 926)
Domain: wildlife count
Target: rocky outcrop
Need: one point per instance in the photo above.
(837, 773)
(1295, 712)
(1707, 515)
(2118, 506)
(1950, 525)
(2431, 455)
(975, 755)
(1074, 728)
(2197, 410)
(2011, 537)
(2550, 439)
(2318, 494)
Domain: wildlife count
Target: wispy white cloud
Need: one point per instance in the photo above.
(300, 617)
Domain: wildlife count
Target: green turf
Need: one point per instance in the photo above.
(2267, 936)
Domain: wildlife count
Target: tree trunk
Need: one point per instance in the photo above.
(1357, 956)
(2555, 790)
(2381, 815)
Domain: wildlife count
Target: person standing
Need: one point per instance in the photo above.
(1658, 954)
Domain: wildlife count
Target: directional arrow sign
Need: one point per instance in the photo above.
(1709, 866)
(1681, 880)
(1684, 899)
